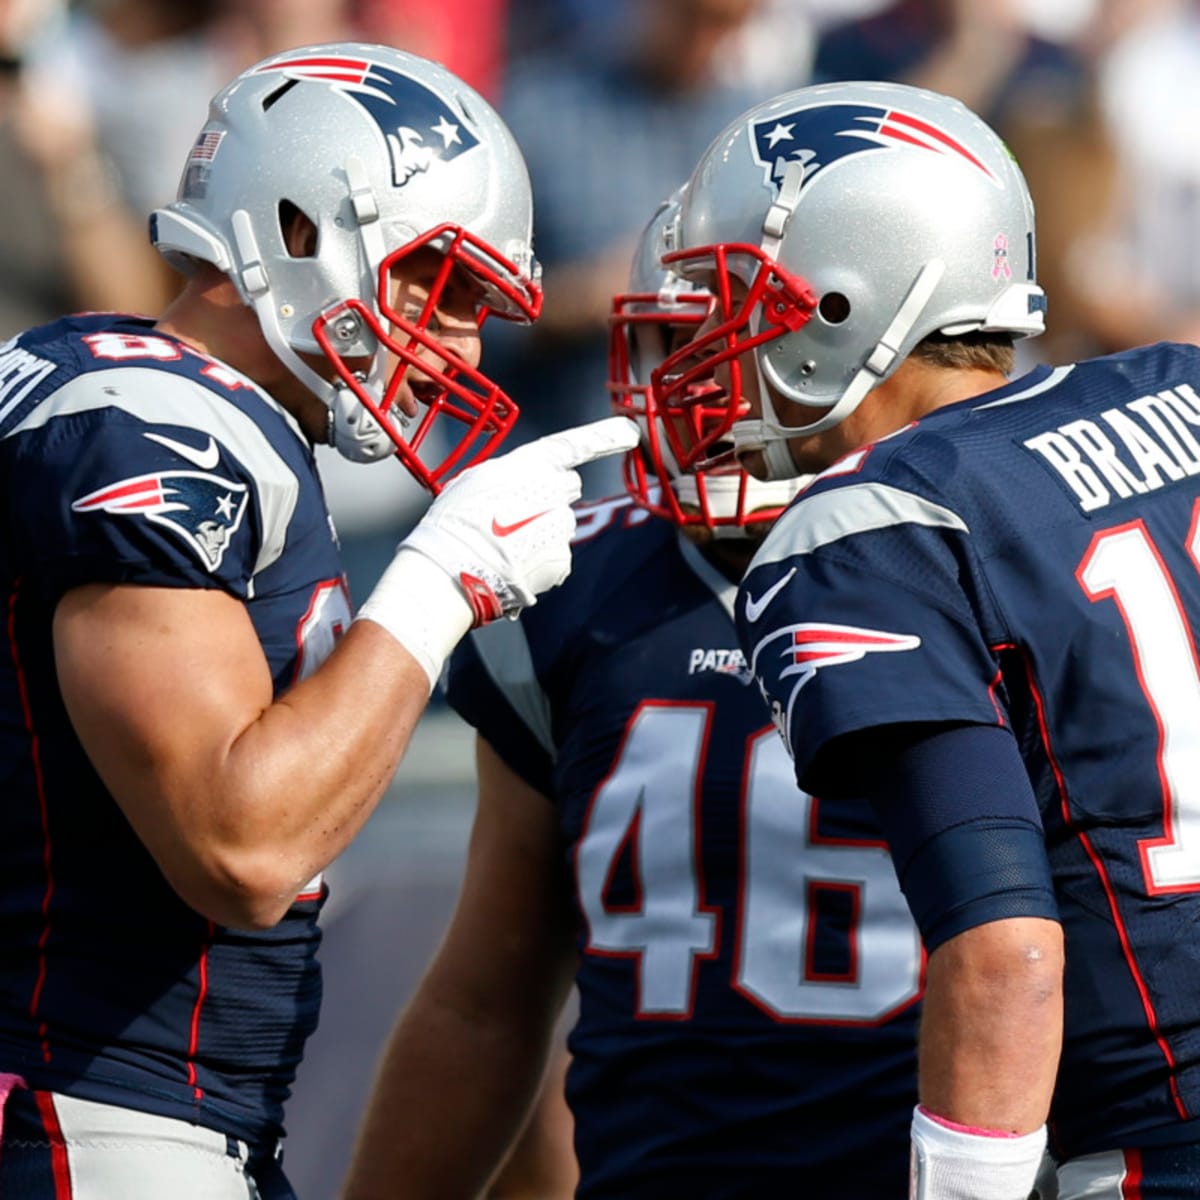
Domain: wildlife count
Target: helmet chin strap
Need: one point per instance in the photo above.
(724, 496)
(770, 436)
(777, 457)
(351, 429)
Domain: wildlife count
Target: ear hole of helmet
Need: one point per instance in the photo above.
(833, 308)
(300, 241)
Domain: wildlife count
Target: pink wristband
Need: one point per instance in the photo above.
(973, 1130)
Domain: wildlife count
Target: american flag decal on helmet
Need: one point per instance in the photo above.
(825, 133)
(206, 146)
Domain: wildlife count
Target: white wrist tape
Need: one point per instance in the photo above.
(953, 1164)
(421, 607)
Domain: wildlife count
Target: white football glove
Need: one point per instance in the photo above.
(497, 537)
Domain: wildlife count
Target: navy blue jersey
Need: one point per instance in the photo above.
(748, 974)
(1031, 559)
(127, 458)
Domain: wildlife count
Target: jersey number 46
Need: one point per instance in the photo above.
(650, 806)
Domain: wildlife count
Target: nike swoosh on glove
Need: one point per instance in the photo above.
(504, 528)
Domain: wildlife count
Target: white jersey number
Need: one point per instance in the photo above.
(649, 807)
(1124, 564)
(318, 631)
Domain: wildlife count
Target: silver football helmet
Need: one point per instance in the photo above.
(682, 471)
(860, 218)
(386, 153)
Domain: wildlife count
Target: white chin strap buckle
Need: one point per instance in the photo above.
(353, 431)
(776, 457)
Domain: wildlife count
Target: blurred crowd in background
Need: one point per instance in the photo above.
(612, 101)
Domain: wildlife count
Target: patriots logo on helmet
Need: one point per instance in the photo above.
(826, 133)
(419, 127)
(204, 510)
(809, 646)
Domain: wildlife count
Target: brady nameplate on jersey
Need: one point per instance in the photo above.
(972, 570)
(1141, 446)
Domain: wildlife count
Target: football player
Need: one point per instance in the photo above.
(982, 613)
(192, 725)
(748, 975)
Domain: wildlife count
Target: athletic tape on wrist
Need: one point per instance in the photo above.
(950, 1163)
(422, 607)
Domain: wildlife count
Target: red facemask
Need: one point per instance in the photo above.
(471, 412)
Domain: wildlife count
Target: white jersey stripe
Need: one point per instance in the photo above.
(504, 649)
(114, 1151)
(860, 508)
(157, 397)
(1051, 381)
(724, 591)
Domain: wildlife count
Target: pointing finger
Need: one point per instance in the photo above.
(586, 443)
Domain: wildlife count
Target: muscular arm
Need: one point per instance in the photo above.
(464, 1061)
(241, 800)
(991, 1029)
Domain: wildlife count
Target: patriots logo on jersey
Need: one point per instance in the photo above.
(809, 646)
(419, 128)
(826, 133)
(204, 510)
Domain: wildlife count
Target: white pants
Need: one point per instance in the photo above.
(94, 1151)
(1166, 1172)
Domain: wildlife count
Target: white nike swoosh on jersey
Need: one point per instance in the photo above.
(756, 608)
(205, 459)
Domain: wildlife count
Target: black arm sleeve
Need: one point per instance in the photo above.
(960, 817)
